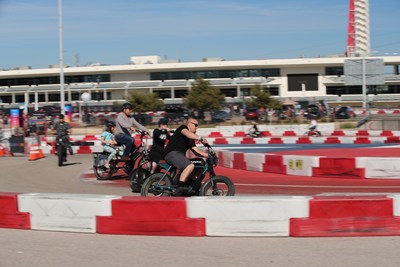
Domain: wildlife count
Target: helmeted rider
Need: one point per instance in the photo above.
(313, 125)
(62, 130)
(254, 131)
(125, 126)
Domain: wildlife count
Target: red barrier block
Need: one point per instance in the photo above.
(303, 140)
(266, 133)
(351, 206)
(10, 217)
(220, 141)
(238, 161)
(338, 167)
(90, 137)
(381, 112)
(386, 133)
(392, 140)
(347, 216)
(289, 133)
(150, 216)
(338, 133)
(215, 134)
(274, 164)
(239, 134)
(248, 140)
(396, 111)
(362, 140)
(362, 133)
(275, 140)
(332, 140)
(84, 150)
(341, 227)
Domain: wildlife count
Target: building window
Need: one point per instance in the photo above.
(163, 94)
(272, 90)
(229, 92)
(180, 93)
(338, 71)
(297, 82)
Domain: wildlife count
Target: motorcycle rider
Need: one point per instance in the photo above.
(253, 131)
(126, 126)
(183, 139)
(313, 125)
(62, 129)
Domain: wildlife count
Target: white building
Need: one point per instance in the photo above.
(300, 79)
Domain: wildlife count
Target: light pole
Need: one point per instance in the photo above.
(85, 98)
(60, 38)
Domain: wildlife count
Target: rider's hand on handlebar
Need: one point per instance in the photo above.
(205, 142)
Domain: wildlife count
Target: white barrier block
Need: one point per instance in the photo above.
(227, 159)
(248, 216)
(396, 204)
(233, 140)
(254, 161)
(290, 139)
(65, 212)
(300, 165)
(385, 168)
(346, 139)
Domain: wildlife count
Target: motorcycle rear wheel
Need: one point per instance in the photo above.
(218, 186)
(100, 171)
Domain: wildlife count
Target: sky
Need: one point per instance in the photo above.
(111, 31)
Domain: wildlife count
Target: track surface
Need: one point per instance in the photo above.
(38, 248)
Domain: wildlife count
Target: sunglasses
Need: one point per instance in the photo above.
(195, 124)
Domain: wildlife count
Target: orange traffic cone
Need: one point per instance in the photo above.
(1, 151)
(34, 152)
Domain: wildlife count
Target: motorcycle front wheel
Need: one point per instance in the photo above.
(137, 178)
(153, 186)
(218, 186)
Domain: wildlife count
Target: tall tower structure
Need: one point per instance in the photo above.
(358, 36)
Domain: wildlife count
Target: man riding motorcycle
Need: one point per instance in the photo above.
(62, 129)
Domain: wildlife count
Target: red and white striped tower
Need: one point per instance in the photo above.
(358, 37)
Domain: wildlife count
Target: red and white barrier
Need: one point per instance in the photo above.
(314, 166)
(297, 216)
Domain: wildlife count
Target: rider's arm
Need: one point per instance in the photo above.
(193, 136)
(198, 151)
(139, 126)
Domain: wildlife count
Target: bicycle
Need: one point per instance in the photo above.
(100, 159)
(164, 182)
(313, 133)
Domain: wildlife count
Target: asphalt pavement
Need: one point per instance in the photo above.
(20, 248)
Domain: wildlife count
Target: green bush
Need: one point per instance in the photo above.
(347, 125)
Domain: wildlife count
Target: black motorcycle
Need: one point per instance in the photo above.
(62, 144)
(164, 183)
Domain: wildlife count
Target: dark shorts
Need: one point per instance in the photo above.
(177, 159)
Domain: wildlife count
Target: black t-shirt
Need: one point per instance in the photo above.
(179, 142)
(160, 136)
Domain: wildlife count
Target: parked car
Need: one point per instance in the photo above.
(344, 113)
(312, 112)
(251, 114)
(176, 114)
(220, 115)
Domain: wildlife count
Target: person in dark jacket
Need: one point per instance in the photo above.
(160, 137)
